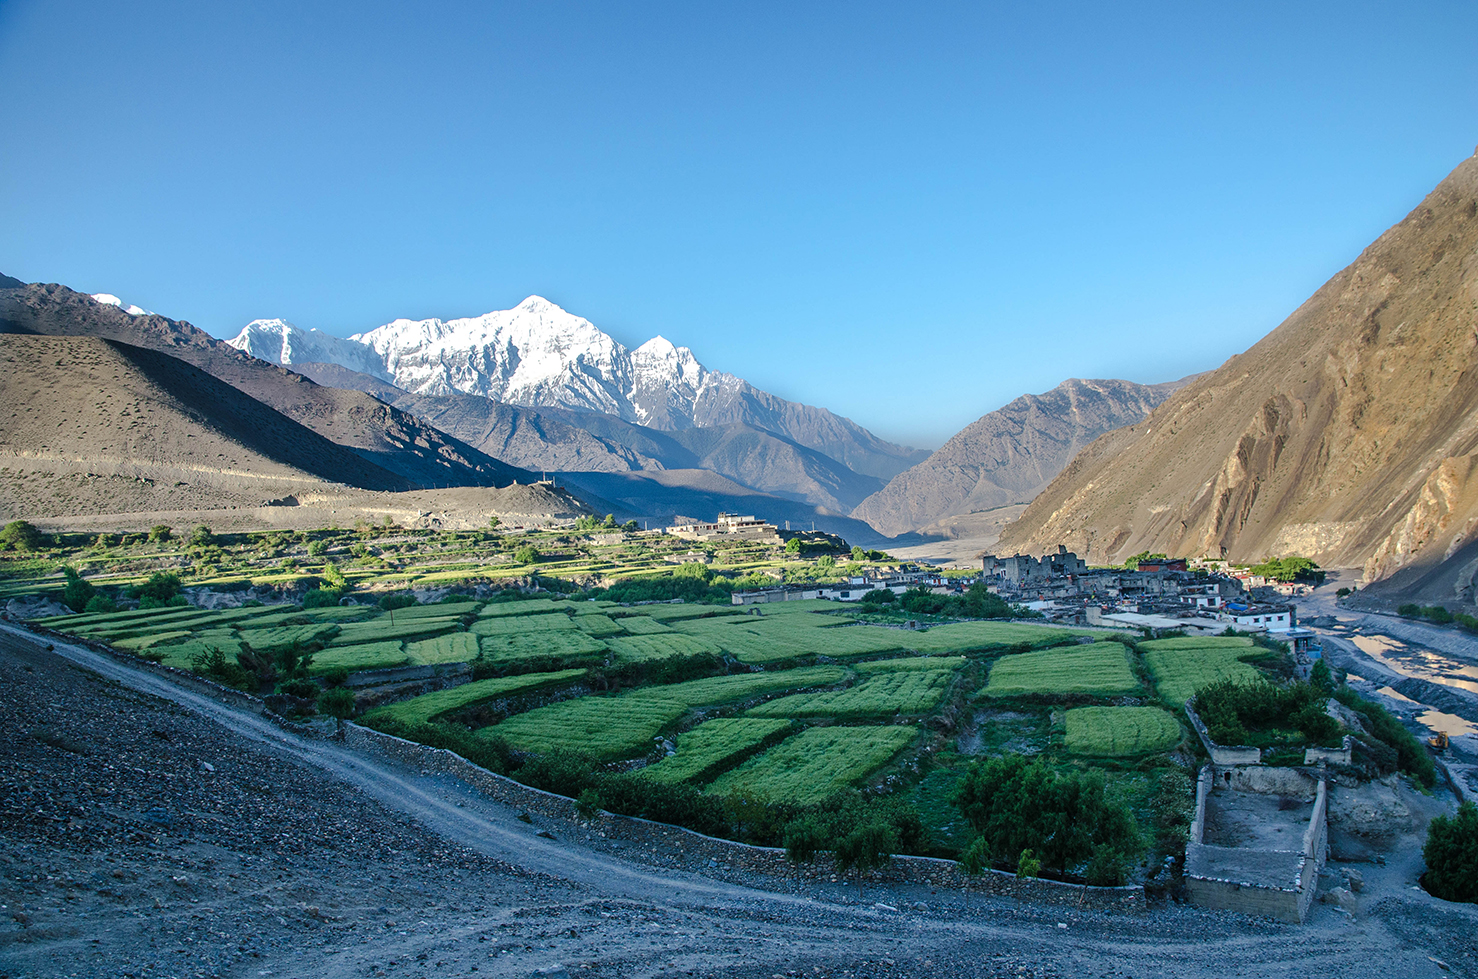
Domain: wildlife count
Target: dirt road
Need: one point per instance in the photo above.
(149, 830)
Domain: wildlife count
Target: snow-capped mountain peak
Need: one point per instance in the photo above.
(280, 342)
(108, 299)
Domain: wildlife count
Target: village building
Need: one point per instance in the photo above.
(728, 527)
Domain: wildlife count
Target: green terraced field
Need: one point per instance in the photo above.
(714, 745)
(902, 692)
(429, 706)
(1100, 669)
(566, 646)
(522, 625)
(597, 625)
(1180, 671)
(770, 639)
(643, 625)
(911, 663)
(641, 648)
(182, 655)
(815, 764)
(436, 611)
(366, 656)
(1120, 732)
(380, 630)
(960, 637)
(455, 647)
(742, 686)
(144, 642)
(678, 613)
(282, 637)
(530, 606)
(1197, 642)
(605, 728)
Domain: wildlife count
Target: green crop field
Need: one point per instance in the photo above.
(606, 728)
(770, 639)
(643, 625)
(379, 630)
(144, 642)
(435, 611)
(282, 637)
(1100, 669)
(523, 624)
(1197, 642)
(1179, 672)
(182, 655)
(814, 764)
(911, 663)
(641, 648)
(902, 692)
(959, 637)
(366, 656)
(429, 706)
(742, 686)
(1120, 732)
(530, 606)
(713, 745)
(567, 646)
(455, 647)
(598, 625)
(677, 613)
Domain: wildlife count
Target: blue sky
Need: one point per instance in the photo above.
(907, 213)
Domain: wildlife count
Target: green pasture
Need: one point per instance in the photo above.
(1180, 671)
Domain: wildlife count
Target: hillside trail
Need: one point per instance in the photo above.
(628, 919)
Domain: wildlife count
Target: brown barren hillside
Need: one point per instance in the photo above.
(391, 438)
(1009, 455)
(1347, 434)
(98, 425)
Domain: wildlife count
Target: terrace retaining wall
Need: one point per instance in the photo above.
(641, 836)
(1220, 754)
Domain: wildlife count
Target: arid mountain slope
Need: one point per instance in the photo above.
(1347, 434)
(107, 427)
(1009, 455)
(388, 437)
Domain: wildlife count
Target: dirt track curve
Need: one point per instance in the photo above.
(150, 830)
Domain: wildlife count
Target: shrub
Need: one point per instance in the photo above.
(337, 702)
(879, 596)
(1432, 613)
(587, 803)
(526, 554)
(1016, 804)
(867, 847)
(20, 535)
(318, 548)
(1108, 868)
(78, 592)
(1411, 754)
(1451, 853)
(1255, 713)
(160, 533)
(201, 536)
(100, 603)
(1342, 593)
(336, 676)
(162, 587)
(1028, 866)
(214, 664)
(320, 598)
(804, 837)
(303, 689)
(398, 600)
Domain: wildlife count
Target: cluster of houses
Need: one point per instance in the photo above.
(1161, 594)
(853, 588)
(728, 527)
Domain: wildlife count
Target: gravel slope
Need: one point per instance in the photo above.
(151, 831)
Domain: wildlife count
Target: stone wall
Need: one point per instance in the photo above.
(1220, 754)
(1331, 756)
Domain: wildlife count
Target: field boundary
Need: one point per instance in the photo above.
(933, 871)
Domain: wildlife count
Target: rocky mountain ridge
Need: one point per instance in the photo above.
(1348, 434)
(1009, 455)
(538, 355)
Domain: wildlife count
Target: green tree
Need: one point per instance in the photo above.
(78, 591)
(493, 523)
(526, 554)
(587, 804)
(100, 603)
(1027, 865)
(337, 702)
(201, 536)
(858, 554)
(793, 546)
(1451, 854)
(161, 588)
(803, 839)
(20, 535)
(867, 847)
(160, 533)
